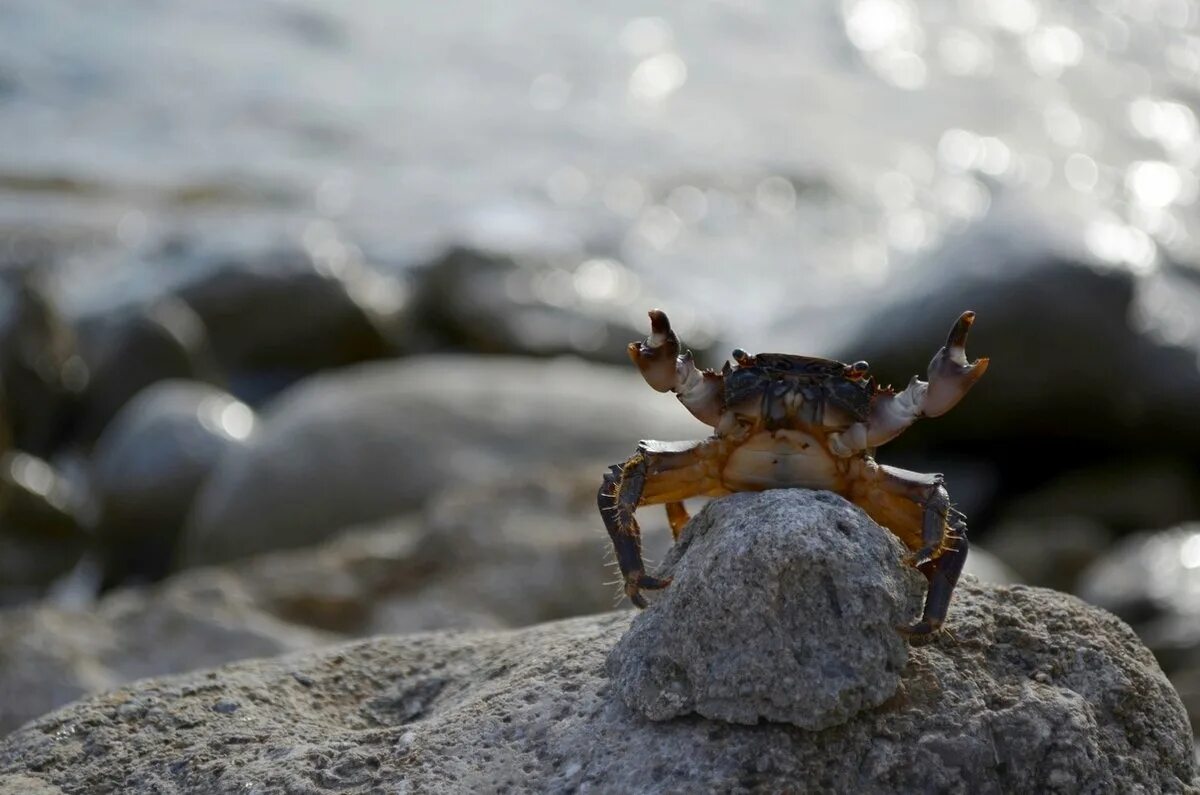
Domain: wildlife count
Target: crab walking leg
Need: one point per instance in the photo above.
(659, 472)
(678, 517)
(950, 375)
(916, 507)
(658, 360)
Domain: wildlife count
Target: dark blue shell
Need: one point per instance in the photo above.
(771, 376)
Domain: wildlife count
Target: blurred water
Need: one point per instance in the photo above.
(748, 159)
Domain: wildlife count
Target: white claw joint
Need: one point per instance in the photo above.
(950, 375)
(660, 363)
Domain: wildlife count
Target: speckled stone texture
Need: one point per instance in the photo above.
(784, 606)
(1036, 692)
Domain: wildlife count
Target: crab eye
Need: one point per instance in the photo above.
(857, 370)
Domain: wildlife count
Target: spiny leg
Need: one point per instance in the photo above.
(916, 507)
(659, 472)
(618, 499)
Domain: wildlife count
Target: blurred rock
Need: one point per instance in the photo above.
(817, 589)
(1053, 552)
(130, 350)
(149, 465)
(1121, 496)
(489, 303)
(368, 443)
(49, 656)
(1152, 580)
(986, 567)
(1039, 693)
(42, 375)
(42, 533)
(288, 313)
(1079, 369)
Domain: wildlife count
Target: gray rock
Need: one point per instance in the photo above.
(482, 302)
(291, 312)
(1092, 370)
(1150, 580)
(1124, 496)
(986, 567)
(819, 591)
(42, 530)
(1051, 551)
(149, 465)
(505, 556)
(129, 350)
(372, 441)
(1037, 693)
(42, 375)
(50, 656)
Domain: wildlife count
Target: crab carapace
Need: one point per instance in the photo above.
(784, 421)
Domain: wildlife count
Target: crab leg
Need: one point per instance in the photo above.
(950, 375)
(659, 360)
(916, 507)
(659, 472)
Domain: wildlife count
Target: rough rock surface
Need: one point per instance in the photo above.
(1036, 692)
(364, 444)
(49, 655)
(819, 590)
(508, 555)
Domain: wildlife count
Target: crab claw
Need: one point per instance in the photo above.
(951, 376)
(655, 356)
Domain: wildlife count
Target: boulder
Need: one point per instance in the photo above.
(288, 312)
(474, 300)
(42, 375)
(50, 656)
(819, 590)
(129, 350)
(369, 442)
(1084, 360)
(1035, 691)
(149, 465)
(43, 533)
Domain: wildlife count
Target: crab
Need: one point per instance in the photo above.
(786, 421)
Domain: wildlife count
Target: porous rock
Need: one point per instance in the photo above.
(1035, 692)
(819, 591)
(52, 655)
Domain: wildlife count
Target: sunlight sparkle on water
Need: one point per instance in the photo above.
(1169, 123)
(1081, 172)
(1189, 552)
(1052, 49)
(657, 77)
(1153, 183)
(1115, 243)
(890, 38)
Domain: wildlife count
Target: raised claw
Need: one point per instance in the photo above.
(951, 376)
(655, 356)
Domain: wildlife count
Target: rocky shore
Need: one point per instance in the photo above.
(1033, 691)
